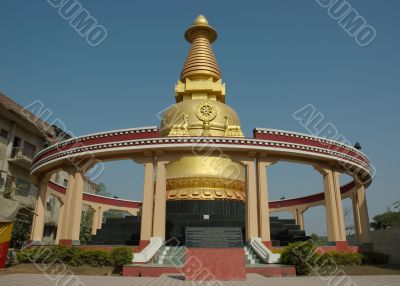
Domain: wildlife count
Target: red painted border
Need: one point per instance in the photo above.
(308, 199)
(66, 242)
(131, 204)
(97, 199)
(309, 142)
(57, 188)
(106, 137)
(113, 139)
(110, 201)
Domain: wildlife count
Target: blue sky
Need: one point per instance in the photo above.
(275, 57)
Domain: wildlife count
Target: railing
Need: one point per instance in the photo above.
(18, 152)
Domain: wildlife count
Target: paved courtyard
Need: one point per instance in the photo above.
(252, 279)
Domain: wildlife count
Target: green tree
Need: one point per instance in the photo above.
(302, 255)
(102, 190)
(85, 233)
(318, 240)
(115, 214)
(21, 228)
(388, 219)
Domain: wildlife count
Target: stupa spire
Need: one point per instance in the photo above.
(201, 61)
(200, 76)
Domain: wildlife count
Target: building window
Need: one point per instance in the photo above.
(29, 150)
(3, 177)
(9, 182)
(50, 202)
(65, 183)
(57, 178)
(22, 187)
(15, 148)
(3, 133)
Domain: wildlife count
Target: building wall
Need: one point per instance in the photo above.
(385, 241)
(15, 175)
(6, 125)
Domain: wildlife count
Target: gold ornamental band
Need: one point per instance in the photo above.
(205, 188)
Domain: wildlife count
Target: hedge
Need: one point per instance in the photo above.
(374, 257)
(341, 258)
(303, 256)
(75, 256)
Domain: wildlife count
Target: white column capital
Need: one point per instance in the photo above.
(266, 162)
(162, 162)
(143, 159)
(322, 169)
(301, 209)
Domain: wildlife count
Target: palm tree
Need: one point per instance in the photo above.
(397, 205)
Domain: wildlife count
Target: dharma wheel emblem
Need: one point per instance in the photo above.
(206, 112)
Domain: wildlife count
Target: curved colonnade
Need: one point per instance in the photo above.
(145, 146)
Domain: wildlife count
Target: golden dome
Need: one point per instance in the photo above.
(207, 166)
(199, 117)
(205, 178)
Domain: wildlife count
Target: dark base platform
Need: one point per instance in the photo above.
(192, 213)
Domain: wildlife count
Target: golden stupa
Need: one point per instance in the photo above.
(200, 110)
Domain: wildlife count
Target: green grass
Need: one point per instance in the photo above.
(57, 269)
(351, 270)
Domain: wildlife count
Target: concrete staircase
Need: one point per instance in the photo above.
(170, 256)
(118, 231)
(285, 231)
(175, 256)
(252, 258)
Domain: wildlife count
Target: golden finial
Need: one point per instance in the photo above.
(200, 27)
(201, 62)
(200, 20)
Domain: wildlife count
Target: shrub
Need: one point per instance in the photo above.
(301, 255)
(76, 256)
(65, 253)
(120, 256)
(99, 258)
(24, 256)
(341, 258)
(374, 257)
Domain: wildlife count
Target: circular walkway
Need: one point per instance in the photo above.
(252, 279)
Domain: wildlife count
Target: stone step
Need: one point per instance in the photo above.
(170, 255)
